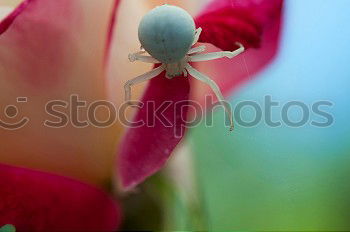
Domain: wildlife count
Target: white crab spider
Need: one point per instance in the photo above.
(167, 33)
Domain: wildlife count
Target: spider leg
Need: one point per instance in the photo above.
(147, 59)
(132, 56)
(216, 55)
(196, 35)
(196, 50)
(185, 73)
(138, 53)
(144, 77)
(200, 76)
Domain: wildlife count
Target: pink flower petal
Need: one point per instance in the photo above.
(6, 22)
(144, 150)
(36, 201)
(225, 22)
(51, 50)
(255, 24)
(112, 27)
(46, 37)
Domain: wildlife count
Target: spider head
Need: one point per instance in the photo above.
(167, 33)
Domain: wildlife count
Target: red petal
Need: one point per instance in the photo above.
(225, 22)
(145, 150)
(254, 23)
(36, 201)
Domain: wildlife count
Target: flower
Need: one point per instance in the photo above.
(57, 178)
(49, 50)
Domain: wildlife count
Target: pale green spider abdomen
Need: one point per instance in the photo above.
(167, 33)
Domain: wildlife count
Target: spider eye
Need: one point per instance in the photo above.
(167, 33)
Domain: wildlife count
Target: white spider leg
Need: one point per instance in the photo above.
(185, 72)
(216, 55)
(196, 50)
(197, 35)
(132, 56)
(200, 76)
(145, 59)
(144, 77)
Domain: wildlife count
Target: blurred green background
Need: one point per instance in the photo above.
(285, 178)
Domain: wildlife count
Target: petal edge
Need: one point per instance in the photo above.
(145, 150)
(37, 201)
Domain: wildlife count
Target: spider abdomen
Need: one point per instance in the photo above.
(167, 33)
